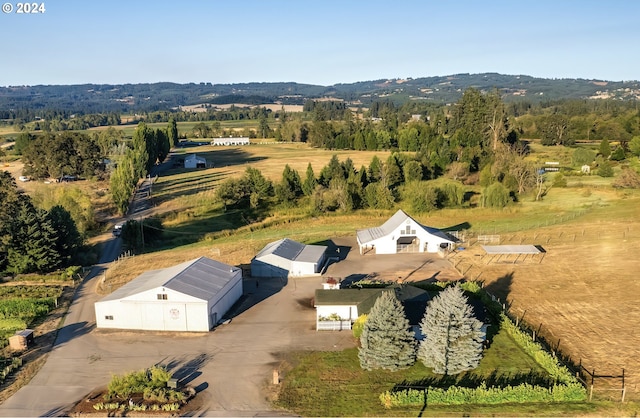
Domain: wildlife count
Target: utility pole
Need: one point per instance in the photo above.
(142, 233)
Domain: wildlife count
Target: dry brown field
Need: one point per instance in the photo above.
(582, 295)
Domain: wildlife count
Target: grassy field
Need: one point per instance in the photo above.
(581, 295)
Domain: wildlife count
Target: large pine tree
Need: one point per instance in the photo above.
(387, 341)
(453, 336)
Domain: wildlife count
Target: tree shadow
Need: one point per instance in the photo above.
(347, 282)
(71, 331)
(458, 227)
(254, 291)
(334, 250)
(472, 380)
(501, 287)
(186, 370)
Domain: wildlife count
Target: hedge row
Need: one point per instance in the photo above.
(548, 362)
(456, 395)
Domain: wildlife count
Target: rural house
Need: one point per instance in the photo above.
(192, 296)
(403, 234)
(338, 309)
(193, 161)
(285, 257)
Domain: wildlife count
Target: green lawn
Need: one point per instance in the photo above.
(334, 384)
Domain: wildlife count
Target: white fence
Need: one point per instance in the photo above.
(333, 325)
(489, 239)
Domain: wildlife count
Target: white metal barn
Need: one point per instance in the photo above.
(285, 257)
(402, 234)
(192, 296)
(231, 141)
(193, 161)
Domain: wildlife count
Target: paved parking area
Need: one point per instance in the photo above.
(231, 367)
(402, 267)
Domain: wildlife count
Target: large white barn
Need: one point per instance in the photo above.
(285, 257)
(192, 296)
(402, 234)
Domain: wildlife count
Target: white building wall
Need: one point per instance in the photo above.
(388, 244)
(345, 311)
(223, 301)
(299, 268)
(179, 312)
(270, 265)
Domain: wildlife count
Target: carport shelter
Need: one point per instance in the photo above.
(402, 234)
(285, 257)
(192, 296)
(512, 253)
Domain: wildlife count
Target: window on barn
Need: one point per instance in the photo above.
(162, 296)
(108, 317)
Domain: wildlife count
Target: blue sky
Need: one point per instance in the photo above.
(319, 42)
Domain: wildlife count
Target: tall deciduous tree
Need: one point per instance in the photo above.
(172, 132)
(453, 336)
(387, 341)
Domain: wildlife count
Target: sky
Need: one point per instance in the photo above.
(321, 42)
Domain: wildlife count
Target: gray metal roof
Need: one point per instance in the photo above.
(511, 249)
(201, 278)
(398, 219)
(292, 250)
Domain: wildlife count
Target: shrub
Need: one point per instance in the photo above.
(559, 180)
(149, 382)
(605, 169)
(495, 196)
(358, 325)
(628, 178)
(456, 395)
(618, 154)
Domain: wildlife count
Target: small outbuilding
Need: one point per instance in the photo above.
(285, 258)
(403, 234)
(192, 296)
(21, 340)
(194, 161)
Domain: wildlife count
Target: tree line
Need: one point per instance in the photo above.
(148, 147)
(34, 239)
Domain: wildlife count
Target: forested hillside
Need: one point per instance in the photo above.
(27, 102)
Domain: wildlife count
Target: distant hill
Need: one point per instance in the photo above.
(94, 98)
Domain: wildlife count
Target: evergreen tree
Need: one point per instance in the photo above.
(605, 148)
(172, 132)
(260, 188)
(310, 181)
(453, 336)
(290, 188)
(68, 239)
(34, 242)
(387, 341)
